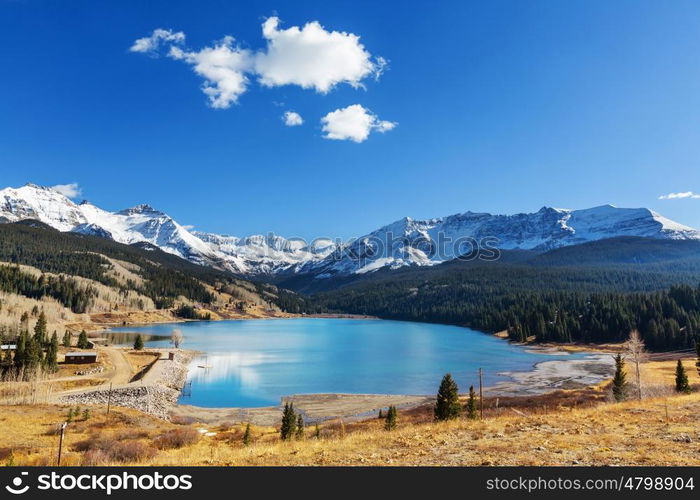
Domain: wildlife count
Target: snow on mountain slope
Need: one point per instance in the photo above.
(269, 254)
(428, 242)
(43, 204)
(404, 242)
(137, 224)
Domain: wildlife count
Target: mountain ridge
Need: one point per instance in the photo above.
(405, 242)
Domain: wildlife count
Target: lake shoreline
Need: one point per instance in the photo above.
(543, 376)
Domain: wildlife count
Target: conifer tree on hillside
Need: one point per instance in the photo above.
(299, 434)
(471, 404)
(67, 339)
(33, 355)
(619, 387)
(390, 422)
(83, 342)
(21, 350)
(138, 343)
(447, 405)
(246, 435)
(40, 332)
(682, 384)
(289, 422)
(51, 360)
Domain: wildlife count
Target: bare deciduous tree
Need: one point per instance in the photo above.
(637, 354)
(176, 338)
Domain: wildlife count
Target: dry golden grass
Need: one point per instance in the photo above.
(564, 428)
(140, 359)
(611, 434)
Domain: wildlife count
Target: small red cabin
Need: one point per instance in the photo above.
(81, 357)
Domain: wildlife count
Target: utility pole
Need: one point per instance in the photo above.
(109, 397)
(481, 394)
(60, 443)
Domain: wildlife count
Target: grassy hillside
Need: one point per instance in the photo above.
(564, 428)
(83, 273)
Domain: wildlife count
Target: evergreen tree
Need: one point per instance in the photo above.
(299, 434)
(447, 405)
(51, 361)
(40, 329)
(619, 387)
(289, 422)
(471, 404)
(381, 414)
(682, 384)
(317, 432)
(33, 355)
(390, 422)
(67, 339)
(246, 435)
(83, 342)
(138, 343)
(21, 350)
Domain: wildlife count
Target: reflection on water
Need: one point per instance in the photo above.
(255, 363)
(128, 338)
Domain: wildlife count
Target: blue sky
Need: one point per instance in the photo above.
(500, 106)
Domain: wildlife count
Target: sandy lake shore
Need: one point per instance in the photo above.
(546, 376)
(165, 380)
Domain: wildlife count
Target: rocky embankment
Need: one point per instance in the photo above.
(156, 393)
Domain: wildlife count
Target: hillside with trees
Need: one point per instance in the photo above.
(531, 300)
(73, 268)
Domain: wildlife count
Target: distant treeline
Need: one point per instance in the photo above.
(549, 304)
(67, 291)
(165, 277)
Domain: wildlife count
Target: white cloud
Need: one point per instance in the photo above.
(223, 67)
(312, 57)
(151, 44)
(353, 123)
(679, 196)
(68, 190)
(309, 56)
(188, 227)
(292, 118)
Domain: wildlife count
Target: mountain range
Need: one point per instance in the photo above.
(406, 242)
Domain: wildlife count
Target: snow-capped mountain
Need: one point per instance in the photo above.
(428, 242)
(404, 242)
(269, 254)
(138, 224)
(253, 255)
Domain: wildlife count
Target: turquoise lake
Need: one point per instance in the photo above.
(252, 363)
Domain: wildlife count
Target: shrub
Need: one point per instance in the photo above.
(131, 451)
(176, 438)
(94, 458)
(114, 450)
(181, 420)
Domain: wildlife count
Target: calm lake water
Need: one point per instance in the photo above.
(255, 362)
